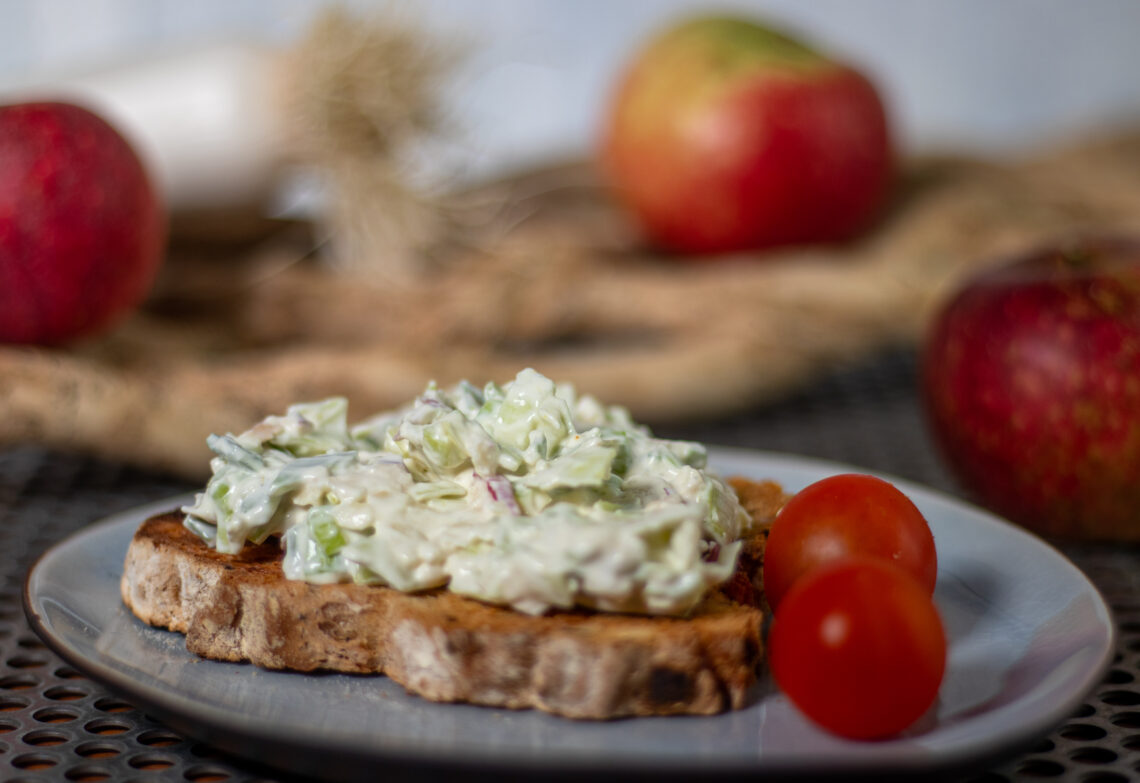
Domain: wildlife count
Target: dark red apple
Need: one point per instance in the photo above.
(81, 228)
(1031, 379)
(725, 135)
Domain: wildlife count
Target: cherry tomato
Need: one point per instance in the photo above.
(859, 648)
(848, 514)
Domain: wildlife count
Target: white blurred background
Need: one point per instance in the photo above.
(992, 76)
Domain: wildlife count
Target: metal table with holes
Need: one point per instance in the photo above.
(56, 725)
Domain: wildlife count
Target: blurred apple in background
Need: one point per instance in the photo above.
(725, 135)
(1031, 377)
(81, 229)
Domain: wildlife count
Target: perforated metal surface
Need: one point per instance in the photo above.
(55, 725)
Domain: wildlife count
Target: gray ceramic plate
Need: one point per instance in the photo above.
(1030, 637)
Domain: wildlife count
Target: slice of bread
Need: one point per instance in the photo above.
(445, 647)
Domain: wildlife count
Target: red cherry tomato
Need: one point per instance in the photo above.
(859, 648)
(848, 514)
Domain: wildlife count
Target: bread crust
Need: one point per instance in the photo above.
(440, 645)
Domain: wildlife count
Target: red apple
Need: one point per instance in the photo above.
(1031, 381)
(725, 135)
(81, 229)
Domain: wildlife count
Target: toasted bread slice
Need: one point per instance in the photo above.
(445, 647)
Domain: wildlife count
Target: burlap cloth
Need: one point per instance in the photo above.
(547, 274)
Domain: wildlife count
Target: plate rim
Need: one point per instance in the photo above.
(236, 735)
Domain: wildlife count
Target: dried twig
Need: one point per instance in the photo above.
(563, 290)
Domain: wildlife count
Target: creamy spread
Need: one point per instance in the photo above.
(527, 495)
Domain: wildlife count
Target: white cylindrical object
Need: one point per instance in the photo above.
(207, 122)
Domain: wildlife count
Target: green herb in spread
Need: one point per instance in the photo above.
(527, 495)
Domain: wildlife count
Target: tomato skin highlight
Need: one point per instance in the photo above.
(859, 648)
(842, 515)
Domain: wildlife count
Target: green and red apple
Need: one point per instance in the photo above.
(725, 135)
(1031, 381)
(81, 227)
